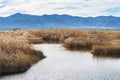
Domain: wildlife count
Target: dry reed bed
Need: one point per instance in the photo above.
(113, 48)
(55, 36)
(82, 39)
(74, 43)
(16, 54)
(98, 41)
(106, 50)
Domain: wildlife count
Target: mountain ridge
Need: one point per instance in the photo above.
(27, 21)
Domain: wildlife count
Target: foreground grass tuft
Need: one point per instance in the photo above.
(16, 55)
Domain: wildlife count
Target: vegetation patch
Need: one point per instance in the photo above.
(77, 44)
(96, 41)
(110, 49)
(16, 55)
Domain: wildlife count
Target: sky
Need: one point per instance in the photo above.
(86, 8)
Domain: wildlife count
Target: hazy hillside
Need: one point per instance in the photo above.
(23, 21)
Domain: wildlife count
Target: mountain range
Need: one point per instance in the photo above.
(26, 21)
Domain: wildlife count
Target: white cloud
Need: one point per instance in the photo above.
(72, 7)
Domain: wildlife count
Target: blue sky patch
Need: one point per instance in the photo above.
(113, 10)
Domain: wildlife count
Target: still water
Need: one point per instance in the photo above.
(62, 64)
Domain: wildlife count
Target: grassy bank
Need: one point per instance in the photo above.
(74, 43)
(16, 53)
(112, 48)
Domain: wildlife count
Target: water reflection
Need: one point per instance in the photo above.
(101, 57)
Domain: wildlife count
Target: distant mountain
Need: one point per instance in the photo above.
(26, 21)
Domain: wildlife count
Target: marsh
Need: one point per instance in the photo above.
(62, 64)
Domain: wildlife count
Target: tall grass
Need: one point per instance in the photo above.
(81, 39)
(16, 54)
(77, 43)
(113, 48)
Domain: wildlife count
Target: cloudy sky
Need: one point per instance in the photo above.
(71, 7)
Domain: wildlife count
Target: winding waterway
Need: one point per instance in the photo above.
(62, 64)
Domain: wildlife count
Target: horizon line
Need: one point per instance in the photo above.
(59, 15)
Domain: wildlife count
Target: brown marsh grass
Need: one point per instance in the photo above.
(82, 39)
(16, 54)
(113, 48)
(93, 40)
(73, 43)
